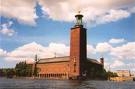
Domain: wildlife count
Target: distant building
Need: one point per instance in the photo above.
(123, 73)
(75, 66)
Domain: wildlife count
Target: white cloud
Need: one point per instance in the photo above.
(118, 56)
(2, 53)
(103, 47)
(94, 11)
(113, 15)
(117, 63)
(113, 40)
(114, 64)
(90, 49)
(6, 30)
(59, 48)
(58, 9)
(132, 10)
(28, 51)
(126, 51)
(22, 10)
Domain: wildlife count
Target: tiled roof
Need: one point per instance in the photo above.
(63, 59)
(55, 59)
(93, 61)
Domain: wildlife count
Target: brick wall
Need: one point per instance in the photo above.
(77, 50)
(54, 70)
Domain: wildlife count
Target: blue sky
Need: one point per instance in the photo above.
(110, 30)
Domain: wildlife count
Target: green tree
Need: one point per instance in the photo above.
(23, 69)
(111, 74)
(10, 73)
(1, 73)
(7, 72)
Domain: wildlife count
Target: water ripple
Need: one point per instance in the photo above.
(62, 84)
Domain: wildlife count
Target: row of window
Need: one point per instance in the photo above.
(53, 75)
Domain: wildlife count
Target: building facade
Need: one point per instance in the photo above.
(75, 66)
(123, 73)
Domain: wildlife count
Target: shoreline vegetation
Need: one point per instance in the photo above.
(115, 79)
(25, 71)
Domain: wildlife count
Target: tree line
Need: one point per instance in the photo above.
(22, 69)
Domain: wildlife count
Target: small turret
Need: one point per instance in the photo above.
(102, 61)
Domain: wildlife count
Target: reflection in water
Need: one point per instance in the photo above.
(62, 84)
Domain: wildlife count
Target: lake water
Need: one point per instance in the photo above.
(62, 84)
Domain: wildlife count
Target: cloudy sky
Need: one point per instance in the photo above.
(42, 27)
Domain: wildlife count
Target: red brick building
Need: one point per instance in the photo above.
(75, 66)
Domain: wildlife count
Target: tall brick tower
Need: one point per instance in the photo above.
(78, 54)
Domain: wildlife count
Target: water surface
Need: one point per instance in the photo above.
(62, 84)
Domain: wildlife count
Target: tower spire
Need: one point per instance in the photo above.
(79, 12)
